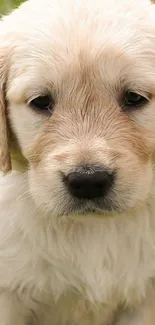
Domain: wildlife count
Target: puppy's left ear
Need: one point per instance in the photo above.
(5, 158)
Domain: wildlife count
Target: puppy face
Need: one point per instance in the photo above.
(80, 99)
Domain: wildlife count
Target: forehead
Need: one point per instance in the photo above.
(109, 46)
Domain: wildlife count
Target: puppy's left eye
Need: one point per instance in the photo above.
(132, 100)
(42, 103)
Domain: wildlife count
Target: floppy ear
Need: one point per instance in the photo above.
(5, 159)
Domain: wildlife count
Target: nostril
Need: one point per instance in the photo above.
(85, 185)
(77, 186)
(99, 185)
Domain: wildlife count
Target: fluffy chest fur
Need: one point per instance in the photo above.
(71, 264)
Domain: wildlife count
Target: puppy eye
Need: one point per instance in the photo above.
(42, 103)
(132, 100)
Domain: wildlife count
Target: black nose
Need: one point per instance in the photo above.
(89, 184)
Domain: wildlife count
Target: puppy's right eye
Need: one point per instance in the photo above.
(42, 103)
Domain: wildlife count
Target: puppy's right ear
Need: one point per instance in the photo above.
(5, 158)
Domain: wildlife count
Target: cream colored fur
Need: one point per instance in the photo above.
(59, 266)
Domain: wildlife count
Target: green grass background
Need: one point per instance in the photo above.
(6, 5)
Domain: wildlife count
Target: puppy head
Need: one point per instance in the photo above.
(79, 87)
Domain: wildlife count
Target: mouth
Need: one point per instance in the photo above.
(90, 214)
(82, 209)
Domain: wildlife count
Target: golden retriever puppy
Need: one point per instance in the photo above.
(77, 144)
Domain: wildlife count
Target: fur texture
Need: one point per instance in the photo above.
(63, 262)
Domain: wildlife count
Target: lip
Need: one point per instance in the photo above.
(90, 209)
(97, 206)
(91, 214)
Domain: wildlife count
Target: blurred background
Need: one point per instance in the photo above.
(7, 5)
